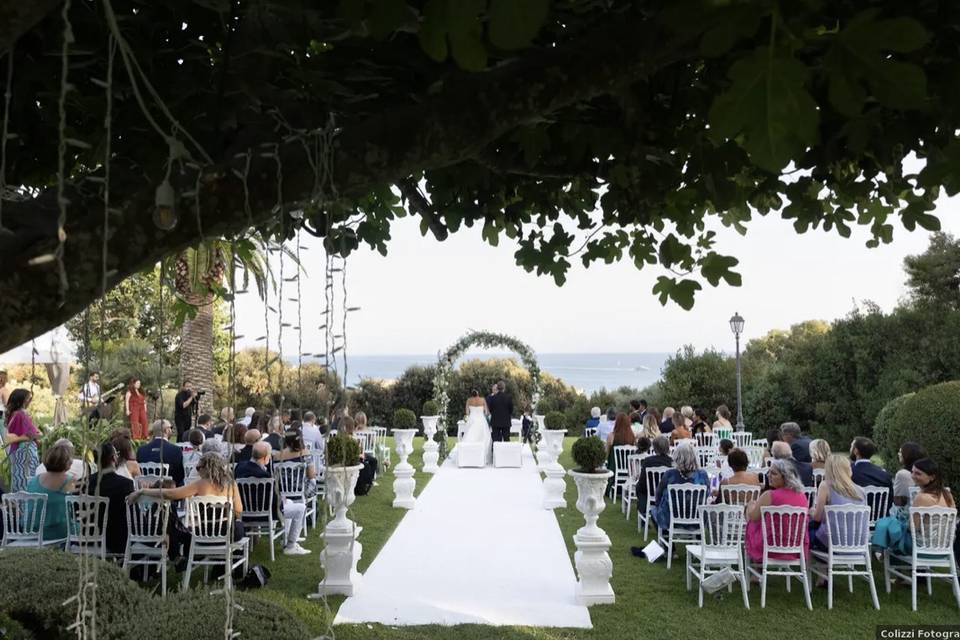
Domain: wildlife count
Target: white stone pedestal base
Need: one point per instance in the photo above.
(430, 456)
(594, 568)
(553, 487)
(403, 486)
(339, 561)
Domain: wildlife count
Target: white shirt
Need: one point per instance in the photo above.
(90, 392)
(604, 429)
(312, 435)
(245, 420)
(76, 469)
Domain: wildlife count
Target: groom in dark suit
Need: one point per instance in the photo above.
(500, 406)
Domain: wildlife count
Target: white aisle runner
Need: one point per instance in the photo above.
(478, 548)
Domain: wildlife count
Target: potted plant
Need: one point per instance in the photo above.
(404, 428)
(555, 424)
(343, 467)
(431, 454)
(590, 475)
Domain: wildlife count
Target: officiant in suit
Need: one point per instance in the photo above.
(500, 406)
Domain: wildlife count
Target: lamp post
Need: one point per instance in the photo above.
(736, 325)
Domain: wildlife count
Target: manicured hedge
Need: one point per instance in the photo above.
(39, 581)
(930, 417)
(881, 431)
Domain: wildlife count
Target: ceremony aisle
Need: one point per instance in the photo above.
(478, 548)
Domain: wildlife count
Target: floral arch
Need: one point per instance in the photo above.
(487, 340)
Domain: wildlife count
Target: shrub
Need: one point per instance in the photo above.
(10, 629)
(590, 454)
(343, 449)
(887, 447)
(555, 420)
(403, 418)
(430, 408)
(930, 417)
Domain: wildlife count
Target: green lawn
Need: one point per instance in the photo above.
(650, 599)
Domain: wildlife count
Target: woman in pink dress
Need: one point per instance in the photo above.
(785, 490)
(22, 439)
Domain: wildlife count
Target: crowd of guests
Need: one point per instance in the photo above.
(791, 462)
(206, 460)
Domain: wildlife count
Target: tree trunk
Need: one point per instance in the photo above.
(196, 352)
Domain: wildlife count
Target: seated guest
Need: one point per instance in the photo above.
(77, 468)
(159, 449)
(127, 465)
(660, 458)
(638, 411)
(680, 430)
(688, 415)
(837, 488)
(666, 425)
(250, 438)
(294, 451)
(701, 423)
(622, 434)
(275, 435)
(293, 513)
(360, 421)
(594, 420)
(725, 447)
(723, 418)
(893, 532)
(800, 444)
(205, 425)
(738, 461)
(233, 437)
(311, 432)
(785, 490)
(369, 471)
(909, 453)
(819, 452)
(226, 417)
(686, 470)
(56, 483)
(865, 473)
(605, 427)
(247, 418)
(650, 428)
(107, 483)
(773, 435)
(782, 451)
(192, 456)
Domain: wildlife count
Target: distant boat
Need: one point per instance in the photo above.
(641, 368)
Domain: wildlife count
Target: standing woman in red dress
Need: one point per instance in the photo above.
(135, 407)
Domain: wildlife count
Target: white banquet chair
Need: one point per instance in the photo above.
(629, 492)
(259, 519)
(589, 432)
(155, 469)
(620, 471)
(742, 439)
(653, 476)
(211, 520)
(147, 537)
(706, 439)
(87, 525)
(784, 529)
(848, 548)
(878, 498)
(933, 530)
(721, 547)
(685, 501)
(24, 515)
(741, 494)
(292, 481)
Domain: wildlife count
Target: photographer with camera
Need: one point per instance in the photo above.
(185, 407)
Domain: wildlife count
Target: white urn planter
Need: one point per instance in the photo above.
(594, 567)
(554, 484)
(431, 454)
(403, 483)
(342, 550)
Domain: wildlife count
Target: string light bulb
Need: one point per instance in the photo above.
(164, 210)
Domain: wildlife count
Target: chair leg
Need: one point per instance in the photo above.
(744, 581)
(955, 580)
(163, 578)
(829, 584)
(670, 549)
(805, 582)
(188, 571)
(887, 582)
(913, 586)
(873, 587)
(763, 587)
(689, 569)
(930, 584)
(850, 583)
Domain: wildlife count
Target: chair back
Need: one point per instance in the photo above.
(817, 477)
(367, 439)
(685, 502)
(691, 442)
(754, 455)
(707, 456)
(878, 498)
(633, 466)
(741, 439)
(759, 442)
(934, 530)
(210, 518)
(147, 521)
(87, 521)
(589, 432)
(149, 482)
(722, 526)
(158, 469)
(654, 475)
(291, 478)
(256, 494)
(739, 494)
(811, 494)
(784, 529)
(706, 439)
(621, 453)
(848, 528)
(23, 517)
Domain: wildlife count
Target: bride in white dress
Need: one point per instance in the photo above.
(477, 428)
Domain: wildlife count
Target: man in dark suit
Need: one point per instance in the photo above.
(205, 425)
(500, 406)
(799, 444)
(865, 473)
(660, 458)
(780, 450)
(160, 450)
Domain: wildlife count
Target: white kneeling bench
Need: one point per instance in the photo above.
(471, 454)
(507, 454)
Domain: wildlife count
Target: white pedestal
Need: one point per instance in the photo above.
(403, 485)
(507, 454)
(554, 487)
(431, 456)
(471, 454)
(339, 561)
(594, 568)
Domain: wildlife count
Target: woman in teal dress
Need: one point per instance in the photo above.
(56, 484)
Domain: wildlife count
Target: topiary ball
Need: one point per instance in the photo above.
(555, 420)
(430, 408)
(931, 418)
(342, 449)
(590, 454)
(881, 430)
(404, 419)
